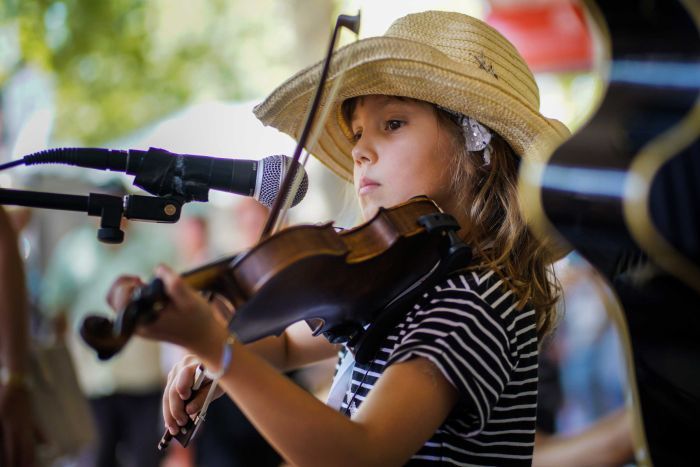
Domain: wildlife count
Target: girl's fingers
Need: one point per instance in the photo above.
(183, 383)
(170, 422)
(171, 409)
(187, 320)
(176, 407)
(174, 285)
(180, 391)
(168, 418)
(194, 406)
(182, 296)
(120, 292)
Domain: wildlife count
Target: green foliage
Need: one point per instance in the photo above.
(120, 64)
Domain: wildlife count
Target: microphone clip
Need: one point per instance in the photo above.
(110, 208)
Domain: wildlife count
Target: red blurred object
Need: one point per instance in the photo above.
(551, 36)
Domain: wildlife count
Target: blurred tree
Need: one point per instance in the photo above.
(121, 64)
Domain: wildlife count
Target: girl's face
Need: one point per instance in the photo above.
(400, 151)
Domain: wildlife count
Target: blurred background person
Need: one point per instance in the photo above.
(125, 391)
(582, 415)
(250, 217)
(18, 431)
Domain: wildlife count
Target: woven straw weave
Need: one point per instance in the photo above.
(445, 58)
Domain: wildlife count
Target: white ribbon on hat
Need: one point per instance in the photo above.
(476, 136)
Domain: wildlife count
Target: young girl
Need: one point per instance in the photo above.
(441, 105)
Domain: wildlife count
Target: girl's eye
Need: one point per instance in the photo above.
(394, 125)
(356, 136)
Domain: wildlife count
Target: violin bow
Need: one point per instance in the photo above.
(290, 182)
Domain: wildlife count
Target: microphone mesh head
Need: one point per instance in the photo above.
(274, 169)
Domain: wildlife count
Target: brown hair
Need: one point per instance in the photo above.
(497, 233)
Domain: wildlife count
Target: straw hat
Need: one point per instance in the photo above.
(445, 58)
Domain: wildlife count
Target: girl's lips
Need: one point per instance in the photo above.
(367, 185)
(367, 188)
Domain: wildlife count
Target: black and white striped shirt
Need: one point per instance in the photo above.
(469, 327)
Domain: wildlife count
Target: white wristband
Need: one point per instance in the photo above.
(225, 359)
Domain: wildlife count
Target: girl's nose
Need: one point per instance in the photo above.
(363, 152)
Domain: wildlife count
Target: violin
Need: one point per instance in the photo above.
(338, 282)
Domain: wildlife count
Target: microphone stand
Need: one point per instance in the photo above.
(109, 208)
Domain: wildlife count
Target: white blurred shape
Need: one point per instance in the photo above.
(217, 129)
(29, 111)
(231, 130)
(378, 16)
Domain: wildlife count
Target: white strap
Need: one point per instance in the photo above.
(341, 381)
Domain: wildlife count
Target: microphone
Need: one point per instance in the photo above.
(164, 173)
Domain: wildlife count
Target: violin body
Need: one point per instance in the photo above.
(335, 281)
(339, 280)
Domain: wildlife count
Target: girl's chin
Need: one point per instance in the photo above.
(369, 210)
(370, 207)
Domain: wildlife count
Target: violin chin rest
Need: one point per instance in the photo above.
(98, 333)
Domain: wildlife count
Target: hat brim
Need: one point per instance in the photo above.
(401, 67)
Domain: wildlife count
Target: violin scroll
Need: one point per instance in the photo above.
(108, 337)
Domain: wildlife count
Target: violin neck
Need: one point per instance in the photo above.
(202, 277)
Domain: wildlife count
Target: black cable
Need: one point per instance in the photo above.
(9, 165)
(347, 409)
